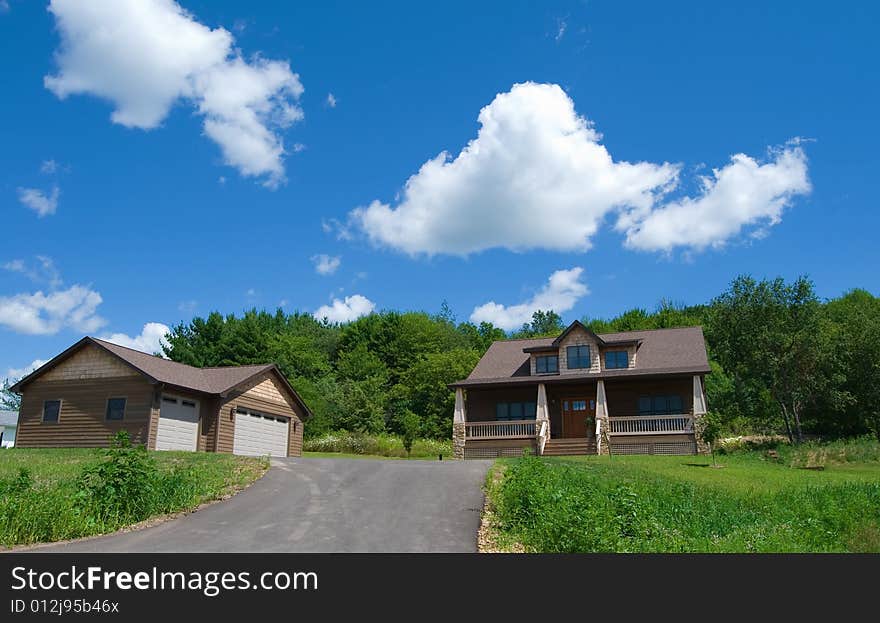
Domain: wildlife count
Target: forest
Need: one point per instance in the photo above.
(783, 361)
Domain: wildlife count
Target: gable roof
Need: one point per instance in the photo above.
(661, 351)
(577, 324)
(217, 380)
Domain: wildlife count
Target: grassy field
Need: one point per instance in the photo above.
(51, 501)
(683, 504)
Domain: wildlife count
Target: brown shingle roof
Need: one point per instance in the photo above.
(207, 380)
(660, 351)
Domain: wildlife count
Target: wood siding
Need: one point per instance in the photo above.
(481, 402)
(91, 362)
(265, 394)
(623, 396)
(82, 422)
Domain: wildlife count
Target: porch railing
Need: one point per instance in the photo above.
(651, 424)
(500, 430)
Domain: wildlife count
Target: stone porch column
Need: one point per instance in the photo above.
(542, 414)
(700, 409)
(602, 424)
(459, 418)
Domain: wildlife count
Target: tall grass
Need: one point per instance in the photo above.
(377, 445)
(112, 490)
(600, 507)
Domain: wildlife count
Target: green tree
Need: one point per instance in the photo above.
(544, 323)
(855, 319)
(411, 427)
(424, 389)
(9, 400)
(766, 335)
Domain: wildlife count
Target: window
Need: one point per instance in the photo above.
(515, 411)
(578, 357)
(616, 359)
(660, 405)
(115, 408)
(546, 364)
(51, 410)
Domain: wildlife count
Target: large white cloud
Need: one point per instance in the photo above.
(146, 55)
(351, 308)
(741, 194)
(46, 314)
(537, 177)
(563, 290)
(151, 340)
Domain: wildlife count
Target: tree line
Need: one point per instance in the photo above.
(782, 359)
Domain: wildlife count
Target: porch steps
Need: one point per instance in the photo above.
(568, 447)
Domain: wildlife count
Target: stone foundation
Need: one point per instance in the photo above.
(702, 446)
(458, 436)
(602, 442)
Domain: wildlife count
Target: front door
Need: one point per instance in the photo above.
(575, 415)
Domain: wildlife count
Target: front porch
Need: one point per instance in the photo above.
(598, 417)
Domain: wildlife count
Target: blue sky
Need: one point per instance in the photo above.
(174, 168)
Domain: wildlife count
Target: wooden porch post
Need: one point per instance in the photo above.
(459, 417)
(602, 423)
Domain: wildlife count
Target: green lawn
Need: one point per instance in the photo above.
(683, 504)
(49, 505)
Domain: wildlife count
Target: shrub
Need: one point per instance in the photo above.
(121, 488)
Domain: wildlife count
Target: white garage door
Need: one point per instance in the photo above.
(178, 424)
(258, 434)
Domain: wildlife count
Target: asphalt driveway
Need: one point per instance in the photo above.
(327, 505)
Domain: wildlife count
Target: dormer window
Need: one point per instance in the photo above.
(578, 357)
(616, 359)
(547, 364)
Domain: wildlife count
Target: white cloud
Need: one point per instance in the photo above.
(331, 100)
(351, 308)
(144, 56)
(326, 264)
(48, 167)
(187, 307)
(560, 294)
(13, 374)
(39, 201)
(741, 194)
(44, 271)
(536, 176)
(47, 314)
(151, 339)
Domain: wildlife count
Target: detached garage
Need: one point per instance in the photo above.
(82, 397)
